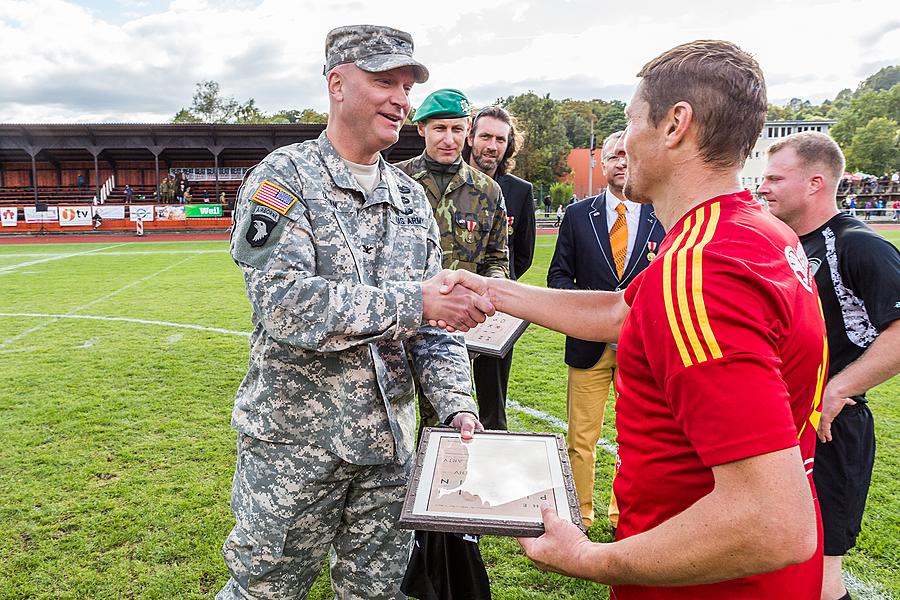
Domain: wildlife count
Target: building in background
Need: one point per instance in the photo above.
(751, 175)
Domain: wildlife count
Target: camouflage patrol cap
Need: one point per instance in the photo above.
(372, 48)
(443, 104)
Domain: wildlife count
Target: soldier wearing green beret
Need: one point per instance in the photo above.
(340, 254)
(468, 205)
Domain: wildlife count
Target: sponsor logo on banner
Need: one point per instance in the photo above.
(170, 213)
(32, 215)
(111, 211)
(201, 211)
(9, 215)
(142, 212)
(74, 215)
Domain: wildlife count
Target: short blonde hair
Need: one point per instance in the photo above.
(814, 148)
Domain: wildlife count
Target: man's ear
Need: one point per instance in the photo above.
(336, 85)
(816, 183)
(421, 127)
(678, 121)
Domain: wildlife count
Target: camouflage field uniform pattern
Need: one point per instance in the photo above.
(472, 199)
(334, 286)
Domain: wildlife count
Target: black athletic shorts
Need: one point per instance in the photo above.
(842, 472)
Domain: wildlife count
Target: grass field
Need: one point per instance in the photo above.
(116, 466)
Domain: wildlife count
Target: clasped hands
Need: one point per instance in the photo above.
(456, 300)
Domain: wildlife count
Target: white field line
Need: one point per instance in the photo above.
(128, 320)
(40, 326)
(603, 443)
(117, 253)
(8, 268)
(863, 590)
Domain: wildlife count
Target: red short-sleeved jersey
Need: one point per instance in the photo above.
(723, 357)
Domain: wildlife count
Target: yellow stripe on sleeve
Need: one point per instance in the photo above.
(697, 283)
(667, 296)
(681, 282)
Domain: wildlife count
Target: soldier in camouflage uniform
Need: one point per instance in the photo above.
(335, 246)
(468, 205)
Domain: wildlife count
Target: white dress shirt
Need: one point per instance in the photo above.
(632, 218)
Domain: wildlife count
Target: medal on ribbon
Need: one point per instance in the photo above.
(509, 225)
(471, 225)
(651, 246)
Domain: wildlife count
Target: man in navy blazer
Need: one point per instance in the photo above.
(584, 258)
(491, 147)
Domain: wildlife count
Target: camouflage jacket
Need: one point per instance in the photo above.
(333, 279)
(471, 215)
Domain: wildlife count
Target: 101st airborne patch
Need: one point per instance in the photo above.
(262, 223)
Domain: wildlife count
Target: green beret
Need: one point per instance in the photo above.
(443, 104)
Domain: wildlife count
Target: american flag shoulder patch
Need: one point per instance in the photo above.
(273, 196)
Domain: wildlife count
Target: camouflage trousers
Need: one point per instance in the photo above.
(293, 502)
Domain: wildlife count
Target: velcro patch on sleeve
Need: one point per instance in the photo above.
(277, 198)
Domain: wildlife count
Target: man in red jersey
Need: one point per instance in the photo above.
(722, 358)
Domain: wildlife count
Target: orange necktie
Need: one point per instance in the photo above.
(618, 239)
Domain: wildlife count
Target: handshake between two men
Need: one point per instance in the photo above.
(460, 300)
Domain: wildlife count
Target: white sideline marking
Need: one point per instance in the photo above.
(8, 268)
(18, 337)
(128, 320)
(861, 589)
(117, 253)
(603, 443)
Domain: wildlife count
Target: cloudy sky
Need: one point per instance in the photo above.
(139, 61)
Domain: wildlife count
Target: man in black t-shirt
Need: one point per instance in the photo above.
(857, 273)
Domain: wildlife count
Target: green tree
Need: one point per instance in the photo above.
(864, 106)
(875, 147)
(577, 116)
(884, 79)
(542, 160)
(561, 193)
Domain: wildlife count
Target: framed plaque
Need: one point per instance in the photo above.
(493, 484)
(496, 335)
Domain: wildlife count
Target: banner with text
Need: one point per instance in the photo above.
(170, 213)
(141, 212)
(9, 216)
(203, 211)
(74, 215)
(110, 211)
(209, 174)
(33, 215)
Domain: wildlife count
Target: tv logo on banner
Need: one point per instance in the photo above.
(74, 215)
(9, 216)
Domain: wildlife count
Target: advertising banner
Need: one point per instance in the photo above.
(209, 174)
(170, 213)
(32, 215)
(202, 211)
(111, 211)
(9, 215)
(74, 215)
(141, 212)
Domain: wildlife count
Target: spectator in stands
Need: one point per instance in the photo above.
(222, 199)
(868, 210)
(180, 189)
(206, 196)
(852, 206)
(187, 196)
(98, 220)
(547, 206)
(560, 211)
(80, 181)
(896, 207)
(129, 194)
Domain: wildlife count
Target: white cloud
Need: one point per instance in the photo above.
(65, 62)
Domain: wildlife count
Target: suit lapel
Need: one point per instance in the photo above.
(597, 216)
